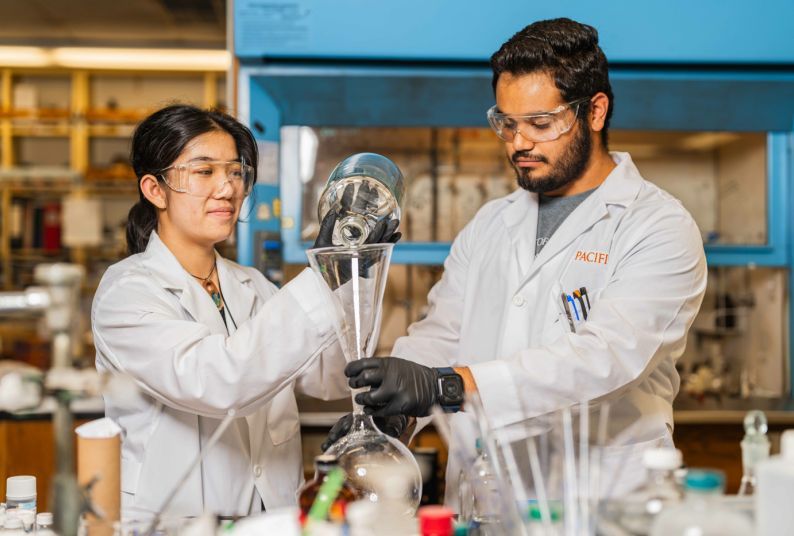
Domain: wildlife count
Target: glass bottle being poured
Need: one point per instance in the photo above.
(363, 190)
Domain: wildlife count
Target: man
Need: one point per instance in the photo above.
(579, 286)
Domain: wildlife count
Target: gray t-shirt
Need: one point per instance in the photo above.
(552, 211)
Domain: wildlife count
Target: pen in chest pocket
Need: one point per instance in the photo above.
(567, 311)
(578, 295)
(575, 306)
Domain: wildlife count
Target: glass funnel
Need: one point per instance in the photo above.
(356, 279)
(363, 189)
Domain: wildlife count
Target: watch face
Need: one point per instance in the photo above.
(452, 389)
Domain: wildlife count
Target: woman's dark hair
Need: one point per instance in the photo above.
(568, 51)
(157, 143)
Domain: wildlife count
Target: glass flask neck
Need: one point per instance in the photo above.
(353, 230)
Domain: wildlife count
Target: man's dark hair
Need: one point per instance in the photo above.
(568, 51)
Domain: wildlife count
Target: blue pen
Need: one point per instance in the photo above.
(578, 296)
(575, 309)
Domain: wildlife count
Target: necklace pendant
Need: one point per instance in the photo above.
(216, 297)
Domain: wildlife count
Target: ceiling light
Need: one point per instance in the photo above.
(116, 58)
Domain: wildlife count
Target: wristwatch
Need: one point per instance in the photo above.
(450, 390)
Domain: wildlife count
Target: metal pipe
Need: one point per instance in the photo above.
(28, 300)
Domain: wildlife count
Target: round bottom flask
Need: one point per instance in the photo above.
(378, 465)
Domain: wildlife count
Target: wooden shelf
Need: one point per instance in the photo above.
(41, 130)
(108, 115)
(29, 254)
(111, 130)
(39, 114)
(81, 123)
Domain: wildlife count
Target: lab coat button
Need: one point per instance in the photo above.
(518, 300)
(257, 471)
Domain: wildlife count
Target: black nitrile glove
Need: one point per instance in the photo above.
(397, 386)
(393, 425)
(366, 200)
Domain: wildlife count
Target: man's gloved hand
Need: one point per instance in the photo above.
(393, 425)
(366, 200)
(398, 386)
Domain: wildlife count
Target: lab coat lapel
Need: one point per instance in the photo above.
(240, 299)
(238, 293)
(199, 304)
(521, 221)
(167, 271)
(579, 221)
(621, 187)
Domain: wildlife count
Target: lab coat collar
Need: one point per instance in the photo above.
(620, 187)
(521, 219)
(235, 285)
(623, 184)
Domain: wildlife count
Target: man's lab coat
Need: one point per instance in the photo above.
(498, 310)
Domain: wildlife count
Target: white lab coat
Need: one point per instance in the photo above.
(497, 309)
(152, 320)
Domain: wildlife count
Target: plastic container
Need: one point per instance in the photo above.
(436, 521)
(636, 512)
(44, 521)
(702, 511)
(21, 492)
(773, 506)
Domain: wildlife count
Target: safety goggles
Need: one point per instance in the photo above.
(203, 178)
(535, 127)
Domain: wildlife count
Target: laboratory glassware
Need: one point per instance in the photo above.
(355, 279)
(363, 190)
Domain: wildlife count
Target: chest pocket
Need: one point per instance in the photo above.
(282, 417)
(583, 278)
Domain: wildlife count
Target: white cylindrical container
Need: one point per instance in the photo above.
(775, 476)
(21, 492)
(44, 524)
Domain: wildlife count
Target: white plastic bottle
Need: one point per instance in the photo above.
(21, 492)
(773, 506)
(44, 524)
(638, 510)
(702, 512)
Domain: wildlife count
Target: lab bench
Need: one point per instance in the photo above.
(708, 432)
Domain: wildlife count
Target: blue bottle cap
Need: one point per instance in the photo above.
(705, 480)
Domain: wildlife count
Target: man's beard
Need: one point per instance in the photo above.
(568, 168)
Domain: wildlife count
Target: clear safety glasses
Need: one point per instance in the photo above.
(205, 177)
(535, 127)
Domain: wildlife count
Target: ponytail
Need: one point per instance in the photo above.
(141, 221)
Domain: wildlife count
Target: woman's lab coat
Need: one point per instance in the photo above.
(498, 310)
(153, 321)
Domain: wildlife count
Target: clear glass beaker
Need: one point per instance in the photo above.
(363, 190)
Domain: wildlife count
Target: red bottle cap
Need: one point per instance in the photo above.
(435, 521)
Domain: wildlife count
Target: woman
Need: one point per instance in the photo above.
(201, 334)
